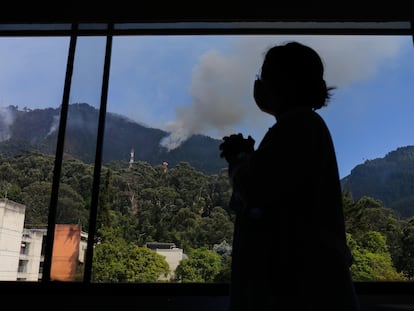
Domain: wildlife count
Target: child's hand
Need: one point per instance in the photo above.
(234, 145)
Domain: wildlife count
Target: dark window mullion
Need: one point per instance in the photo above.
(412, 30)
(59, 157)
(98, 158)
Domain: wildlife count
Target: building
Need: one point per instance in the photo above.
(69, 248)
(11, 233)
(22, 249)
(31, 254)
(173, 255)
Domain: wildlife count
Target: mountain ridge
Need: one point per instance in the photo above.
(389, 179)
(37, 129)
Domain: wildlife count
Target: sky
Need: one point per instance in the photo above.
(203, 85)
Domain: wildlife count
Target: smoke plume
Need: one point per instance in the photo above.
(6, 120)
(222, 83)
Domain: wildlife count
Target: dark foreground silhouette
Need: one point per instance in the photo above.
(289, 241)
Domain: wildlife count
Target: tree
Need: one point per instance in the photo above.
(224, 249)
(407, 257)
(202, 265)
(368, 214)
(185, 229)
(216, 227)
(115, 260)
(103, 215)
(36, 197)
(10, 191)
(372, 260)
(71, 207)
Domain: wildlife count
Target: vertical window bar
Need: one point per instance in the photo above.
(412, 29)
(98, 159)
(58, 158)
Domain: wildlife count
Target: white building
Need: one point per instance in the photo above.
(11, 231)
(31, 254)
(22, 249)
(173, 255)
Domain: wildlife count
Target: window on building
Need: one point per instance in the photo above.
(22, 266)
(24, 250)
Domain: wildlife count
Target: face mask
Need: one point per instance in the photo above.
(263, 97)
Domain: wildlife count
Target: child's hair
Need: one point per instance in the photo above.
(298, 70)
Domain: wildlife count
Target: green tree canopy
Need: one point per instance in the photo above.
(202, 265)
(115, 260)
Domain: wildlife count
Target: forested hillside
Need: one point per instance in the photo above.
(182, 205)
(389, 179)
(28, 130)
(186, 202)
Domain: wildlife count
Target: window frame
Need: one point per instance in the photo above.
(109, 30)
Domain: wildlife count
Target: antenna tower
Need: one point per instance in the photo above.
(131, 159)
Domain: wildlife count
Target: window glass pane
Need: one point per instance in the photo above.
(31, 83)
(165, 189)
(75, 189)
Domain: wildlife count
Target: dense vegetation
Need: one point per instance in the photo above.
(37, 130)
(182, 205)
(389, 179)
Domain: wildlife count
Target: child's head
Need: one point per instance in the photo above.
(292, 73)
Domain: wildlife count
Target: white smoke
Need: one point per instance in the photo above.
(54, 125)
(222, 83)
(6, 120)
(219, 90)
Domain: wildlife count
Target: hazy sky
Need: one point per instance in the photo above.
(203, 85)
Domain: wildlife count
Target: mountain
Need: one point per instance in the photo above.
(389, 179)
(26, 130)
